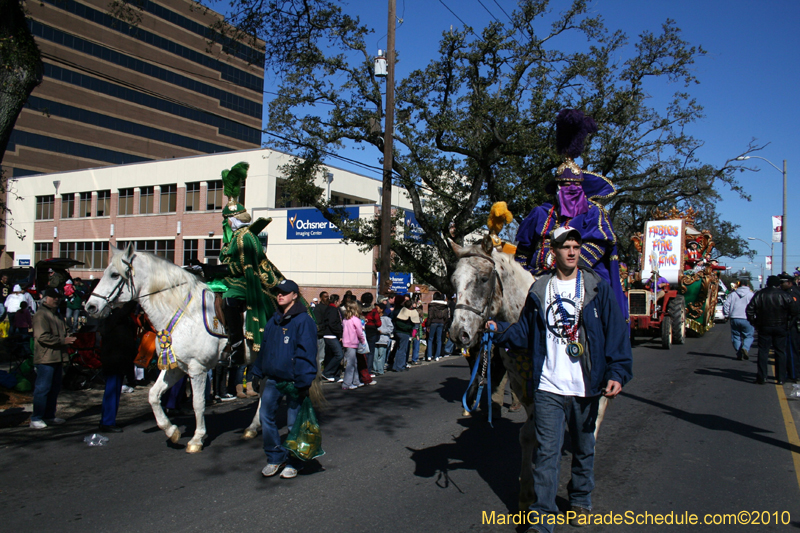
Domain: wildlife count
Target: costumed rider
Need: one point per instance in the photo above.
(578, 197)
(245, 278)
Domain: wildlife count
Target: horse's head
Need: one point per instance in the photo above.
(116, 286)
(479, 291)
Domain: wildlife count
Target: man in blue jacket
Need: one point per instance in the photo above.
(286, 366)
(578, 339)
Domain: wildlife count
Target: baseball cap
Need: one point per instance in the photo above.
(560, 235)
(785, 276)
(52, 293)
(287, 286)
(314, 299)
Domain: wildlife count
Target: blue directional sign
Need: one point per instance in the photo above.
(412, 230)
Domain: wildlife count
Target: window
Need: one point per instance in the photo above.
(213, 247)
(169, 198)
(42, 250)
(85, 206)
(44, 207)
(214, 198)
(103, 203)
(68, 205)
(125, 202)
(146, 200)
(193, 196)
(93, 254)
(189, 251)
(164, 249)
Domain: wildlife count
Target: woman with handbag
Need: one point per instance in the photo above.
(352, 337)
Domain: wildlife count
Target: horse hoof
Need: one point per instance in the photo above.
(249, 434)
(466, 414)
(194, 448)
(176, 436)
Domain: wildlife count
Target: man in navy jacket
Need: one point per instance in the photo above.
(578, 340)
(287, 363)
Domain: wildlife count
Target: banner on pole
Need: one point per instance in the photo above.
(769, 262)
(777, 229)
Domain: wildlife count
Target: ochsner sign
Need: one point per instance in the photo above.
(663, 249)
(311, 224)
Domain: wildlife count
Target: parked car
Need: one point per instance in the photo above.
(718, 315)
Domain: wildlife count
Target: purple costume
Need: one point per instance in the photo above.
(599, 250)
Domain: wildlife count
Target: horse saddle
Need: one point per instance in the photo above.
(213, 318)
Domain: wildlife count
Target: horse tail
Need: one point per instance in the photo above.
(317, 396)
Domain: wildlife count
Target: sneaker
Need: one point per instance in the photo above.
(359, 385)
(227, 397)
(372, 375)
(340, 380)
(438, 358)
(38, 424)
(582, 516)
(289, 472)
(344, 387)
(270, 470)
(329, 380)
(54, 421)
(127, 390)
(373, 382)
(428, 358)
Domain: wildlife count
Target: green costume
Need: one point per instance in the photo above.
(252, 278)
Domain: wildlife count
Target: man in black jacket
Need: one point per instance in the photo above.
(793, 340)
(331, 330)
(770, 311)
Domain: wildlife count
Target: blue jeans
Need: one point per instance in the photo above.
(401, 356)
(45, 391)
(741, 334)
(351, 368)
(379, 362)
(553, 414)
(333, 358)
(270, 399)
(449, 347)
(435, 341)
(111, 400)
(415, 351)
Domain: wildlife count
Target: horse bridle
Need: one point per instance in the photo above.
(123, 279)
(127, 278)
(495, 281)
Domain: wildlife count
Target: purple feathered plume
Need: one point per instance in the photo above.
(572, 127)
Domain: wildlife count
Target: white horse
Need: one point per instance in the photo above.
(163, 289)
(491, 283)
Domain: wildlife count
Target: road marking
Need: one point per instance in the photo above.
(791, 430)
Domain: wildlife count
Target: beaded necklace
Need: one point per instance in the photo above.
(571, 331)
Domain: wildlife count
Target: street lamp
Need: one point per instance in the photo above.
(783, 218)
(771, 251)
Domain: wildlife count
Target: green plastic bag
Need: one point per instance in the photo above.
(305, 439)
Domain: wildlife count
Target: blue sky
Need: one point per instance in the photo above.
(748, 84)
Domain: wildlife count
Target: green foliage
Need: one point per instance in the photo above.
(475, 125)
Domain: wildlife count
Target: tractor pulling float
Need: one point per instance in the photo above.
(671, 248)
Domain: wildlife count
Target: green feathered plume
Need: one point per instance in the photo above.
(233, 179)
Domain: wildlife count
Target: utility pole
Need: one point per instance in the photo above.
(386, 202)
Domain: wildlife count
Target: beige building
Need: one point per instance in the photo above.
(173, 208)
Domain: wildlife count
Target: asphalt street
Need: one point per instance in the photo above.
(691, 434)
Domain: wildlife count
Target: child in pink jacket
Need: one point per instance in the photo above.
(351, 337)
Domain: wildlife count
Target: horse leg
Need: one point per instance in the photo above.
(199, 404)
(165, 380)
(255, 425)
(601, 413)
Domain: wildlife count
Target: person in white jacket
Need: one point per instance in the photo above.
(741, 330)
(16, 297)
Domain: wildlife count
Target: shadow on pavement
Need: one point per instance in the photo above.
(493, 453)
(718, 423)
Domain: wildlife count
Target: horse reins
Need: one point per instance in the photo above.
(128, 278)
(495, 280)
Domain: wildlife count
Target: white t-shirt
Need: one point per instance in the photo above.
(561, 374)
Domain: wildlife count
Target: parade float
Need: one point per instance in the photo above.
(673, 249)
